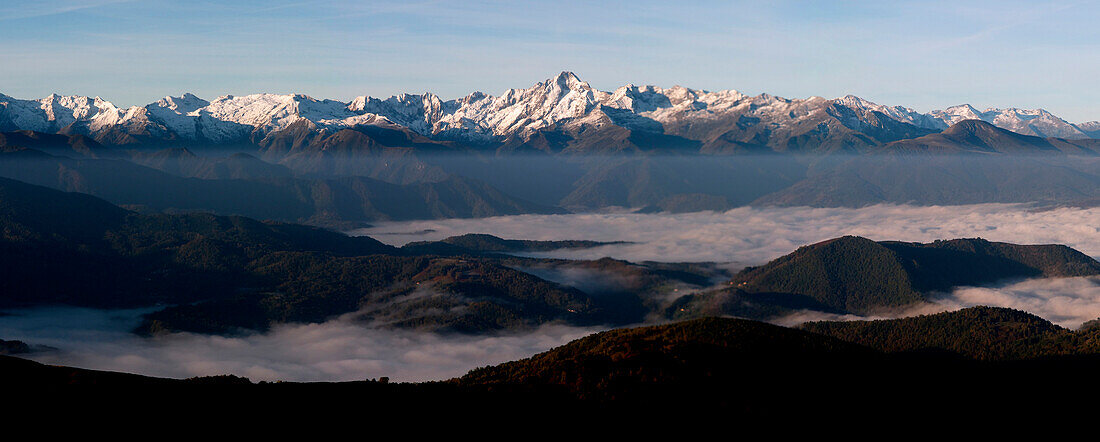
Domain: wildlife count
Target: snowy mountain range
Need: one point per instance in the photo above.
(564, 106)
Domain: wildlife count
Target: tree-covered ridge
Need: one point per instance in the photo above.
(735, 302)
(975, 347)
(1047, 260)
(987, 333)
(432, 293)
(859, 275)
(679, 354)
(848, 273)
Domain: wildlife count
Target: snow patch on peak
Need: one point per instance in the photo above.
(637, 99)
(570, 80)
(898, 113)
(184, 104)
(1035, 122)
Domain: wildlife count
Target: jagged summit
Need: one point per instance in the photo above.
(569, 80)
(1036, 122)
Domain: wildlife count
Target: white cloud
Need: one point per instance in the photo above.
(749, 236)
(1068, 302)
(337, 350)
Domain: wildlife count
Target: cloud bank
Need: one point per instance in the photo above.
(344, 350)
(337, 350)
(1068, 302)
(749, 236)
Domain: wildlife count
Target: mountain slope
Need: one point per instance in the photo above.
(969, 163)
(65, 145)
(976, 136)
(1035, 122)
(849, 274)
(631, 363)
(988, 333)
(857, 275)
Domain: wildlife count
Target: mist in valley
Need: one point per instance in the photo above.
(341, 349)
(753, 235)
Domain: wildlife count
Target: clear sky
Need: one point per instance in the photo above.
(925, 55)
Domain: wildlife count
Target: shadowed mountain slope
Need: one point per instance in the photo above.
(337, 202)
(969, 163)
(976, 136)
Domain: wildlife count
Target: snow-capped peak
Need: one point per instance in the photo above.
(184, 104)
(562, 101)
(899, 113)
(1036, 122)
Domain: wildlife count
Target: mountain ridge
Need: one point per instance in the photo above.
(852, 274)
(564, 105)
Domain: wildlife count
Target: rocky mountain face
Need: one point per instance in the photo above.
(559, 114)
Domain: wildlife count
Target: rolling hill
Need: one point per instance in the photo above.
(857, 275)
(984, 333)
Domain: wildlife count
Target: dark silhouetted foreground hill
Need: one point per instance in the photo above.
(985, 333)
(757, 370)
(626, 363)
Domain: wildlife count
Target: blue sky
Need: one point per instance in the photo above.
(925, 55)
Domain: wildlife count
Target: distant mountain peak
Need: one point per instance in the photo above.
(971, 125)
(568, 79)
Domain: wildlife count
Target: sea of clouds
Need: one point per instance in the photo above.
(341, 349)
(749, 235)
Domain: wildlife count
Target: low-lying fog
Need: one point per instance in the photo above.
(337, 350)
(749, 236)
(344, 350)
(1068, 302)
